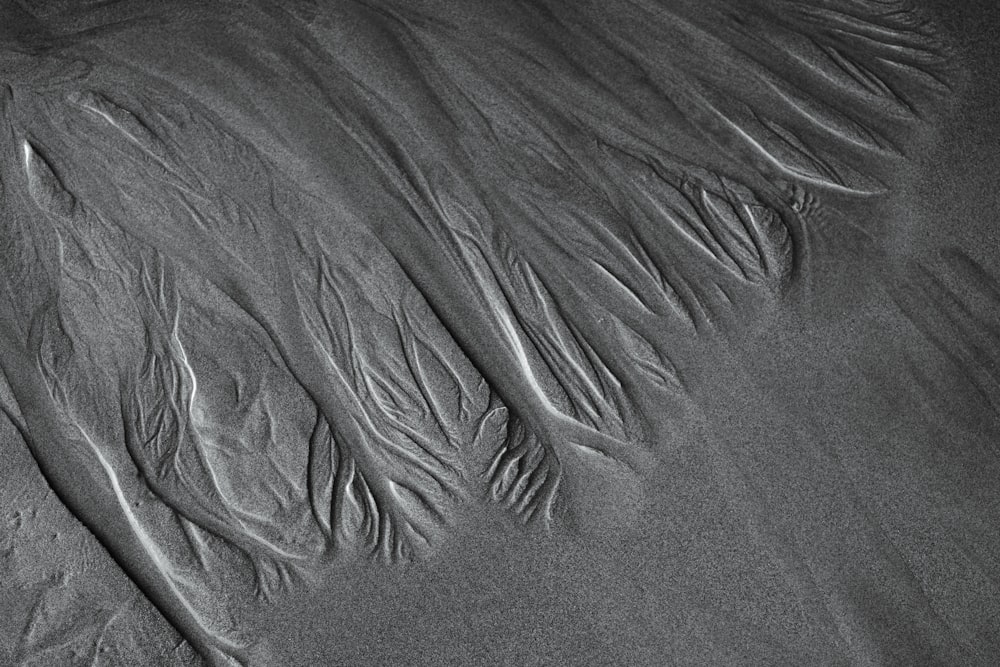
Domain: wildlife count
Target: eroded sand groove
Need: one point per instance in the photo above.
(307, 300)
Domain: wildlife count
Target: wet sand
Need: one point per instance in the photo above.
(521, 333)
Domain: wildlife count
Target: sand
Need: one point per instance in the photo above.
(653, 332)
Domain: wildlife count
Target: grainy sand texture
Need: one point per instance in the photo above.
(499, 332)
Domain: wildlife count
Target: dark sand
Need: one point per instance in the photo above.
(654, 332)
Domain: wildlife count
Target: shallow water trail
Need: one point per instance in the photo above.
(272, 300)
(92, 485)
(98, 504)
